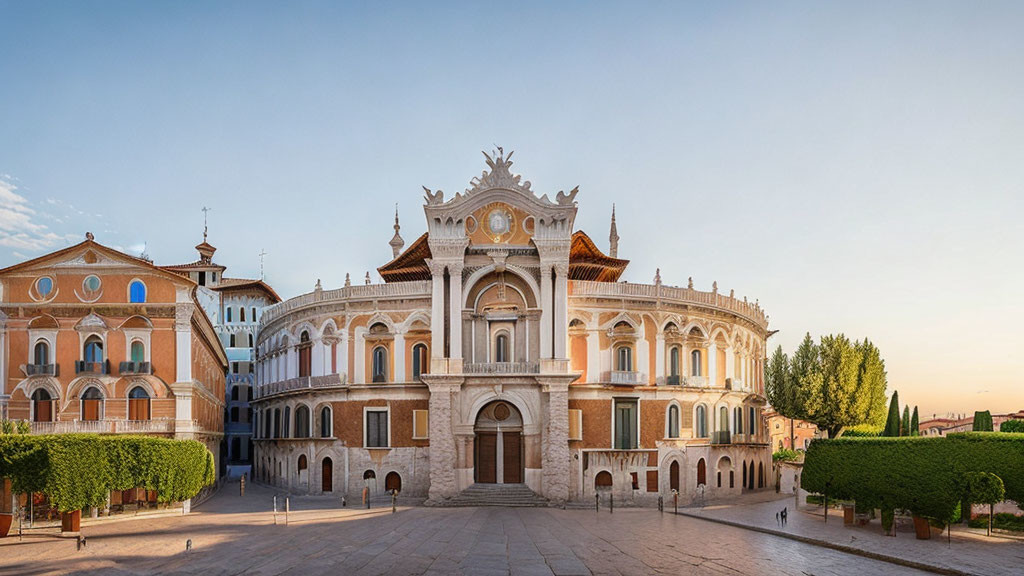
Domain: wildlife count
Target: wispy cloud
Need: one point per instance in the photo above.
(20, 228)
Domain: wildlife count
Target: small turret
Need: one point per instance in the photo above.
(613, 237)
(396, 241)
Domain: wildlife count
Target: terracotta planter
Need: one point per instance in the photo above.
(922, 528)
(6, 519)
(71, 521)
(847, 515)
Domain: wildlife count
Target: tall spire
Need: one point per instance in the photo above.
(613, 237)
(396, 241)
(205, 210)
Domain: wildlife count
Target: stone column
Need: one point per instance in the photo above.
(343, 356)
(399, 357)
(436, 310)
(593, 356)
(455, 308)
(659, 358)
(561, 329)
(730, 362)
(360, 360)
(555, 444)
(442, 440)
(545, 310)
(712, 364)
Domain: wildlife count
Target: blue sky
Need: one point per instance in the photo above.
(855, 166)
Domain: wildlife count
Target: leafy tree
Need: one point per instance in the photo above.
(984, 488)
(871, 382)
(905, 422)
(1012, 426)
(805, 370)
(892, 423)
(915, 424)
(982, 421)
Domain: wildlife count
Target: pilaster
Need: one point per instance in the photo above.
(443, 455)
(555, 444)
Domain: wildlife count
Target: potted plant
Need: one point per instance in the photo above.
(71, 521)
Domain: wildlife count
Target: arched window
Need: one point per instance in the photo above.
(751, 428)
(42, 406)
(624, 359)
(702, 422)
(419, 360)
(241, 314)
(673, 361)
(325, 422)
(41, 353)
(702, 473)
(723, 419)
(44, 286)
(380, 361)
(93, 351)
(673, 421)
(137, 292)
(603, 481)
(227, 314)
(302, 422)
(253, 314)
(501, 347)
(91, 404)
(695, 363)
(138, 404)
(286, 426)
(138, 350)
(302, 463)
(369, 475)
(737, 417)
(305, 355)
(250, 340)
(393, 482)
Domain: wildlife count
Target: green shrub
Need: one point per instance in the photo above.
(77, 471)
(787, 455)
(920, 474)
(862, 431)
(1012, 426)
(982, 422)
(1002, 521)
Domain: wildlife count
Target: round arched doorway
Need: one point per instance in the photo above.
(498, 442)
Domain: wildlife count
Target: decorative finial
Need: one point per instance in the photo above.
(318, 287)
(367, 278)
(89, 236)
(689, 284)
(613, 237)
(205, 210)
(348, 280)
(714, 287)
(657, 276)
(262, 254)
(732, 293)
(396, 241)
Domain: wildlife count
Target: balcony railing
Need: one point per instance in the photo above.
(135, 368)
(82, 367)
(105, 427)
(42, 370)
(697, 381)
(673, 380)
(302, 383)
(501, 368)
(721, 437)
(625, 378)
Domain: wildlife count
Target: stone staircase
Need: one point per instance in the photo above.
(510, 495)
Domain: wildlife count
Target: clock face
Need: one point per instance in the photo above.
(498, 222)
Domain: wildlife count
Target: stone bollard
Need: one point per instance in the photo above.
(275, 509)
(394, 501)
(241, 486)
(661, 504)
(287, 509)
(611, 503)
(597, 502)
(675, 501)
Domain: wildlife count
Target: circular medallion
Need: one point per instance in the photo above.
(498, 222)
(501, 412)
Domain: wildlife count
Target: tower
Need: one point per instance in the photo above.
(613, 238)
(396, 241)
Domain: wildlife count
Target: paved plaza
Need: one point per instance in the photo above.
(237, 535)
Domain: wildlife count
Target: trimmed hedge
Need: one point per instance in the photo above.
(76, 471)
(924, 475)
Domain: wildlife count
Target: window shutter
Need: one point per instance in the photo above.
(575, 424)
(420, 424)
(371, 429)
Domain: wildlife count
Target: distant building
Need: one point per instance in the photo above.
(786, 431)
(936, 426)
(234, 305)
(94, 340)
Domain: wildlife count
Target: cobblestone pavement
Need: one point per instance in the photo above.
(965, 551)
(235, 535)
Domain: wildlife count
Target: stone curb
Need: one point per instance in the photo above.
(835, 546)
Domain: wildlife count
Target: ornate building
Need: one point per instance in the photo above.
(94, 340)
(503, 349)
(234, 306)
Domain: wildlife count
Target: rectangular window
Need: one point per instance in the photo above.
(376, 429)
(575, 424)
(420, 425)
(202, 278)
(625, 424)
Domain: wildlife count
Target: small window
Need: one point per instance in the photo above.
(93, 351)
(234, 413)
(420, 424)
(325, 422)
(253, 314)
(575, 424)
(695, 363)
(419, 361)
(44, 286)
(737, 417)
(137, 292)
(626, 424)
(702, 422)
(234, 393)
(138, 351)
(380, 359)
(202, 281)
(241, 314)
(376, 429)
(501, 348)
(624, 359)
(302, 465)
(250, 340)
(751, 429)
(91, 284)
(603, 481)
(674, 361)
(673, 421)
(305, 355)
(302, 422)
(41, 354)
(231, 341)
(227, 312)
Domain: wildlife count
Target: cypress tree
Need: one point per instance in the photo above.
(905, 422)
(982, 421)
(915, 424)
(892, 422)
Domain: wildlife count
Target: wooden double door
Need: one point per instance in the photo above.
(492, 446)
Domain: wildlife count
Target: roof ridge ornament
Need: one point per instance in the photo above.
(499, 175)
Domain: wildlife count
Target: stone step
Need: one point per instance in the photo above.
(509, 495)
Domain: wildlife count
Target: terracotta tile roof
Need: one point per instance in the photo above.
(227, 284)
(410, 264)
(587, 262)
